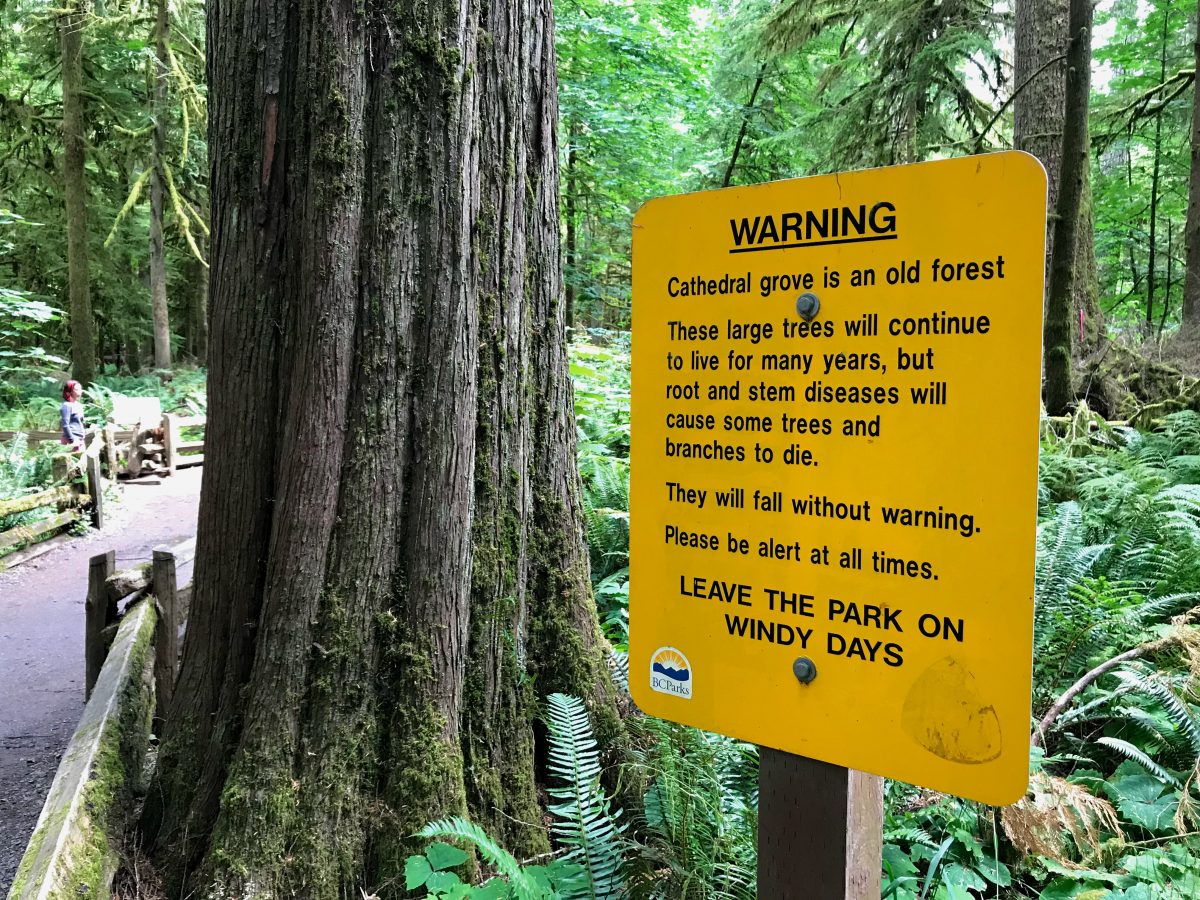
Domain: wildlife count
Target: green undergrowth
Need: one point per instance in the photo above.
(25, 470)
(1113, 809)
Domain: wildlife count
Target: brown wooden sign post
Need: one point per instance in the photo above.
(820, 830)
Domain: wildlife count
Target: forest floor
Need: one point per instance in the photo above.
(41, 644)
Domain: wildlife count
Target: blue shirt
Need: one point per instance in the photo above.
(71, 416)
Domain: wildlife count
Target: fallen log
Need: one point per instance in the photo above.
(30, 553)
(64, 494)
(30, 534)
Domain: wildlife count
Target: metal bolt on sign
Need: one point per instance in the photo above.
(807, 306)
(804, 669)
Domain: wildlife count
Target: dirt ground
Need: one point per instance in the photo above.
(41, 644)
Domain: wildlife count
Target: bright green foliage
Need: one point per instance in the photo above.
(512, 881)
(23, 318)
(22, 472)
(584, 825)
(662, 96)
(698, 835)
(1167, 871)
(600, 370)
(117, 67)
(583, 818)
(632, 85)
(909, 79)
(939, 847)
(1140, 132)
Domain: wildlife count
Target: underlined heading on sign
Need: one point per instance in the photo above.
(815, 228)
(857, 240)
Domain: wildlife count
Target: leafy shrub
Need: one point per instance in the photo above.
(584, 825)
(1113, 805)
(25, 471)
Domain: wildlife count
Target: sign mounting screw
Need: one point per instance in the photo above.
(807, 306)
(804, 670)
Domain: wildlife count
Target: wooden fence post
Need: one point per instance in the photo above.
(96, 490)
(96, 617)
(60, 468)
(110, 449)
(820, 830)
(166, 634)
(135, 450)
(170, 432)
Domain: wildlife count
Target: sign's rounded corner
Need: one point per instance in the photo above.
(640, 694)
(642, 211)
(1028, 158)
(1012, 792)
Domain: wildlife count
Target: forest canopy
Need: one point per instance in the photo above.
(385, 249)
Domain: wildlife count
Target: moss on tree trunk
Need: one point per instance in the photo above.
(390, 567)
(1058, 390)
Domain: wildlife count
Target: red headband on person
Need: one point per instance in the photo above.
(69, 389)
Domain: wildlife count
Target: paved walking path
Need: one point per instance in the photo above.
(41, 645)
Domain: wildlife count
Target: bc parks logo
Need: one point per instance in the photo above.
(671, 673)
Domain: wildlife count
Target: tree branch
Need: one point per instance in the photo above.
(1013, 96)
(737, 147)
(1175, 636)
(1059, 705)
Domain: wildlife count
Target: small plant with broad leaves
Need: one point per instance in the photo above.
(434, 871)
(586, 828)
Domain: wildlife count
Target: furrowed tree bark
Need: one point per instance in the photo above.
(390, 564)
(1058, 390)
(158, 259)
(83, 326)
(1040, 36)
(1191, 279)
(570, 213)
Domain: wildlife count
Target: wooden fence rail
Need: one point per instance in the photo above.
(82, 495)
(157, 578)
(149, 446)
(145, 450)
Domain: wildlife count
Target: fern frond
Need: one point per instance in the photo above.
(1129, 751)
(1177, 709)
(584, 819)
(500, 859)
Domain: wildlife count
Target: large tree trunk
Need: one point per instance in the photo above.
(390, 568)
(1040, 44)
(1191, 277)
(83, 325)
(158, 258)
(1056, 337)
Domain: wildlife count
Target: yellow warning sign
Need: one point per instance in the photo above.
(834, 466)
